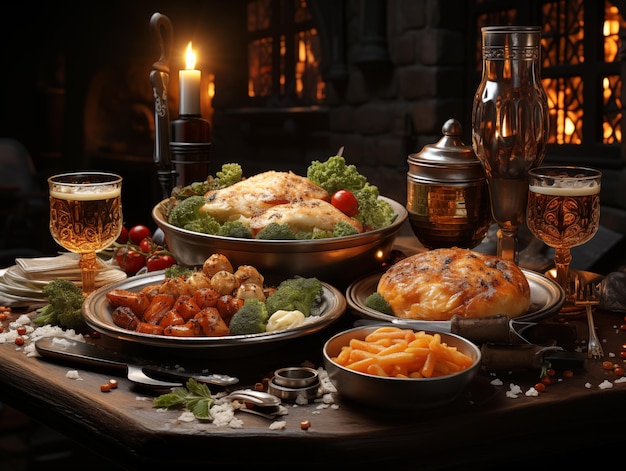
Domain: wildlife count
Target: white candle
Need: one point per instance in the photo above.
(189, 80)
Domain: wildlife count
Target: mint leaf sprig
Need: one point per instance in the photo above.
(195, 397)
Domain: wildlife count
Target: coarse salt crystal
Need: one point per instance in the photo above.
(588, 385)
(186, 416)
(278, 425)
(532, 392)
(222, 413)
(621, 379)
(514, 391)
(73, 374)
(606, 384)
(496, 382)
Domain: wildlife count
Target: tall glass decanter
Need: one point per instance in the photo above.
(510, 124)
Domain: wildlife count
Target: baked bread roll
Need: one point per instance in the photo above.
(441, 283)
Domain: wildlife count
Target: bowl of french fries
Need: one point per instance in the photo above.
(389, 367)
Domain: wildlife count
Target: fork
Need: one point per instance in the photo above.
(586, 297)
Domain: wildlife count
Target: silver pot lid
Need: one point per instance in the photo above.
(447, 161)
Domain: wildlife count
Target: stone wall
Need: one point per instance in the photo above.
(390, 108)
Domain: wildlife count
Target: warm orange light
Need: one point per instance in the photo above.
(301, 51)
(570, 127)
(190, 57)
(211, 88)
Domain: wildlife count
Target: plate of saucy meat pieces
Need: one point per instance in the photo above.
(213, 306)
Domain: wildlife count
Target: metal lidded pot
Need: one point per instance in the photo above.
(447, 195)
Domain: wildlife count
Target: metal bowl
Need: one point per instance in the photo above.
(336, 261)
(398, 393)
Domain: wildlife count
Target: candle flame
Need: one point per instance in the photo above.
(190, 57)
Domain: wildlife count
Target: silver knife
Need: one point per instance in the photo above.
(64, 349)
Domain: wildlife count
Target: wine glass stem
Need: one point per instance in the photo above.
(507, 245)
(87, 266)
(562, 259)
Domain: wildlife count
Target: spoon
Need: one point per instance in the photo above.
(262, 403)
(257, 398)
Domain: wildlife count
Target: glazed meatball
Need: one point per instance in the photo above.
(249, 274)
(216, 263)
(224, 282)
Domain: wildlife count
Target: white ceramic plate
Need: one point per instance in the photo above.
(97, 313)
(546, 298)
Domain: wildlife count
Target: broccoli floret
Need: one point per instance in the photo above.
(64, 308)
(176, 271)
(193, 189)
(251, 318)
(295, 294)
(186, 211)
(276, 231)
(316, 233)
(235, 229)
(334, 175)
(204, 224)
(377, 302)
(342, 229)
(229, 175)
(374, 213)
(187, 214)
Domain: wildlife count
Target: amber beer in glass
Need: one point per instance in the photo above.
(564, 211)
(85, 216)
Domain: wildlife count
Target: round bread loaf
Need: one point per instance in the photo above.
(441, 283)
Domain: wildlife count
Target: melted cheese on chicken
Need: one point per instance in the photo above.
(303, 216)
(259, 193)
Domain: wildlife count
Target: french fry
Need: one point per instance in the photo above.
(361, 365)
(402, 353)
(373, 347)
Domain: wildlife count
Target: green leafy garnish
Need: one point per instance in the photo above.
(196, 397)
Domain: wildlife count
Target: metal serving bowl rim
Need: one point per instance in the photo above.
(477, 356)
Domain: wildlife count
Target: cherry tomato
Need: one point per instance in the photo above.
(123, 237)
(138, 233)
(345, 202)
(159, 261)
(146, 245)
(130, 260)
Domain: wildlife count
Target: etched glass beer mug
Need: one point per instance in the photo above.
(510, 124)
(85, 216)
(564, 212)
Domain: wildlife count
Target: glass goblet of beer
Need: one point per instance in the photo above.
(85, 216)
(564, 211)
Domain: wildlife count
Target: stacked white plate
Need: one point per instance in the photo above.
(21, 284)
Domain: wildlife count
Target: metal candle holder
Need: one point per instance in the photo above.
(161, 26)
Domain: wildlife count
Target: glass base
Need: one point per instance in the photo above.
(569, 307)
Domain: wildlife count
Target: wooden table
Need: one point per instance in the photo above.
(483, 426)
(484, 423)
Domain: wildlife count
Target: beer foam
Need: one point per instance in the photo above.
(86, 194)
(557, 189)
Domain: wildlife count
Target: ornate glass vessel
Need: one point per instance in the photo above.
(510, 124)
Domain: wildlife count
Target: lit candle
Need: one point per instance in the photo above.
(189, 80)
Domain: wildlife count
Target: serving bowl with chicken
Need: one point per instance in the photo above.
(321, 240)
